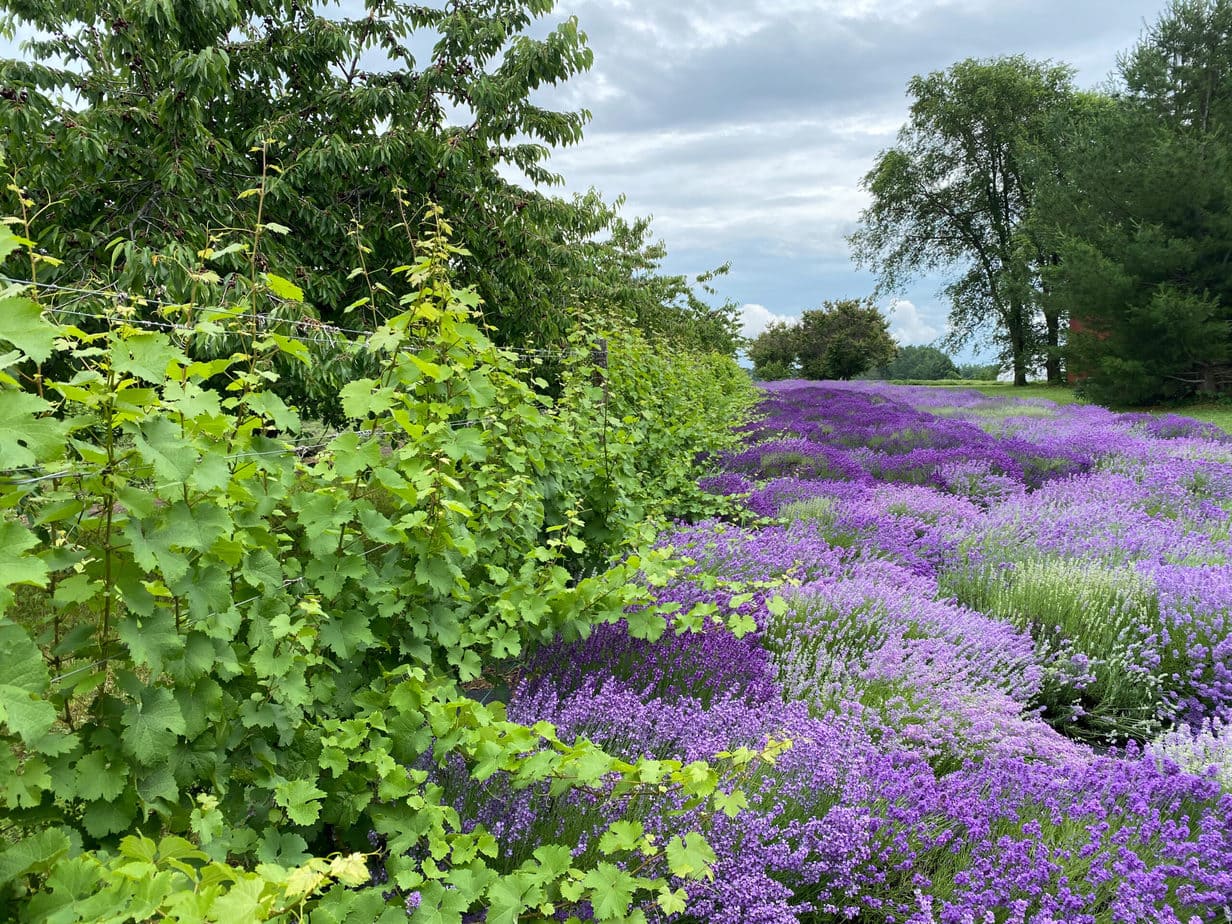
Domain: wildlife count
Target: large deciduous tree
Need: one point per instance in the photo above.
(954, 193)
(842, 339)
(138, 125)
(773, 352)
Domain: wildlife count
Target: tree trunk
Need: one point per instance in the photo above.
(1018, 343)
(1052, 360)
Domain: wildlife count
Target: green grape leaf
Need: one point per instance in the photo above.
(16, 568)
(26, 438)
(25, 681)
(150, 641)
(272, 407)
(731, 804)
(159, 443)
(10, 242)
(33, 854)
(23, 325)
(777, 606)
(25, 714)
(146, 355)
(672, 901)
(243, 902)
(610, 890)
(101, 776)
(285, 848)
(554, 860)
(158, 784)
(103, 818)
(198, 527)
(151, 725)
(346, 632)
(621, 836)
(439, 905)
(690, 857)
(301, 799)
(508, 897)
(283, 288)
(362, 397)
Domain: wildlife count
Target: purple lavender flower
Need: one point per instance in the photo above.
(922, 783)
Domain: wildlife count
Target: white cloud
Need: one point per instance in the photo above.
(756, 318)
(908, 327)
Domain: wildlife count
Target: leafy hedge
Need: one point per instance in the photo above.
(230, 640)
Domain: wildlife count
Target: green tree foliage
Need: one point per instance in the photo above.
(837, 341)
(977, 372)
(622, 284)
(233, 644)
(140, 127)
(1143, 265)
(842, 339)
(1142, 208)
(773, 352)
(920, 362)
(1181, 70)
(954, 192)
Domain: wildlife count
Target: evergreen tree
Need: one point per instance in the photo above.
(1143, 207)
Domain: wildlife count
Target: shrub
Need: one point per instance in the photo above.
(237, 633)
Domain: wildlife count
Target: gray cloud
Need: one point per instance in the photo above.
(745, 127)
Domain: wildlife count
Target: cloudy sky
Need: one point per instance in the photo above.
(744, 126)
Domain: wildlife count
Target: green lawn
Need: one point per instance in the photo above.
(1061, 394)
(1220, 414)
(1216, 412)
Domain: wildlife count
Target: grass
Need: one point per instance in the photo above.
(1218, 413)
(1061, 394)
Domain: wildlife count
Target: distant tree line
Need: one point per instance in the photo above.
(925, 363)
(850, 339)
(1079, 229)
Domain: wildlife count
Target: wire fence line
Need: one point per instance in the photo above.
(120, 295)
(76, 530)
(598, 357)
(321, 330)
(289, 447)
(238, 604)
(99, 662)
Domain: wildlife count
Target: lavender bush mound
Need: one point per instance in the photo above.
(1204, 750)
(874, 431)
(841, 828)
(951, 606)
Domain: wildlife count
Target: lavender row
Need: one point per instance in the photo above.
(957, 604)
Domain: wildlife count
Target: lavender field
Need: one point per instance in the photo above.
(989, 670)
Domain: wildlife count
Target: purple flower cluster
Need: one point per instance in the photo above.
(946, 569)
(858, 431)
(844, 827)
